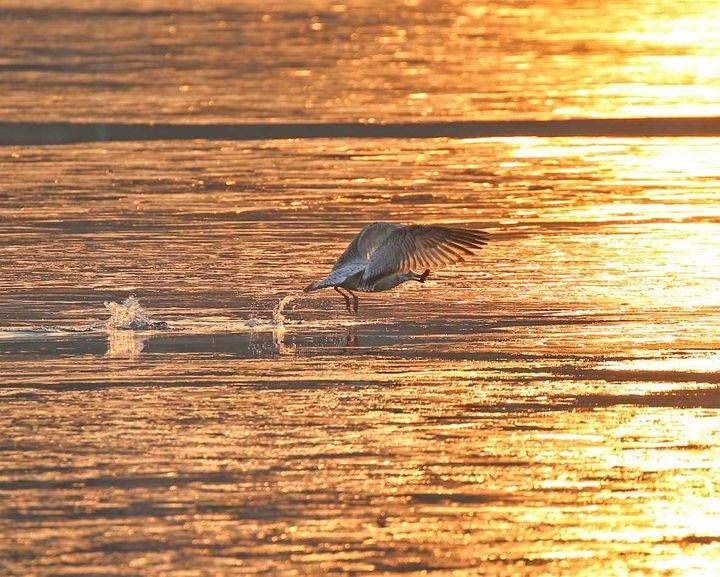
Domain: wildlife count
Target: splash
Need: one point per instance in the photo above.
(278, 318)
(130, 315)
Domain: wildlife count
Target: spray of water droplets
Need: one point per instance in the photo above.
(130, 315)
(278, 318)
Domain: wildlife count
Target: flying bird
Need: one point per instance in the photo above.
(384, 255)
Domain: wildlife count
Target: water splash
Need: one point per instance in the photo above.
(278, 318)
(130, 315)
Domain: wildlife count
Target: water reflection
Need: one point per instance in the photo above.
(423, 447)
(545, 409)
(125, 343)
(374, 61)
(548, 409)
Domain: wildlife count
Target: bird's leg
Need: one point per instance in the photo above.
(355, 300)
(346, 297)
(424, 275)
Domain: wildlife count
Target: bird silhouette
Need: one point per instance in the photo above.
(383, 255)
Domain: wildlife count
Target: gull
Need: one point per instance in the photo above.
(383, 255)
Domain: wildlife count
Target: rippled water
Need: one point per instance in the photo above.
(241, 60)
(550, 407)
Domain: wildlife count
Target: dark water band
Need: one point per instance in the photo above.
(40, 133)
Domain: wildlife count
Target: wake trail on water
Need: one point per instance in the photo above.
(129, 315)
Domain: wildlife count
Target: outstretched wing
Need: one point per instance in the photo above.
(364, 245)
(416, 247)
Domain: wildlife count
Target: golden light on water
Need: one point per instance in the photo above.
(668, 64)
(548, 407)
(696, 32)
(689, 513)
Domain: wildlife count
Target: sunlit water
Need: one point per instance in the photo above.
(550, 407)
(376, 60)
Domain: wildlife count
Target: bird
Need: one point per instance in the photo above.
(384, 255)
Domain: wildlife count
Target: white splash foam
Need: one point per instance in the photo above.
(130, 315)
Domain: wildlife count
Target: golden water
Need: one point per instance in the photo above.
(375, 60)
(550, 407)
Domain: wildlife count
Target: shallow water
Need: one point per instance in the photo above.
(241, 60)
(550, 407)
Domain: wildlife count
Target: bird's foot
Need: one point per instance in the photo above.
(424, 275)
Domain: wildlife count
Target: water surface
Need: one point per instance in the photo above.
(375, 61)
(549, 407)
